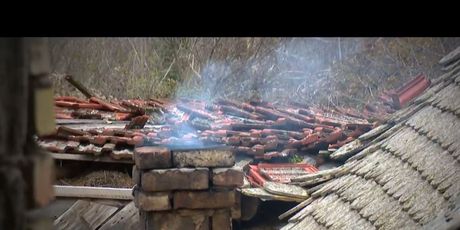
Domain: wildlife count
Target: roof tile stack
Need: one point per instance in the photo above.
(257, 129)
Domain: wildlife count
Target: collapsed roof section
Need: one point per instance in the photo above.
(260, 129)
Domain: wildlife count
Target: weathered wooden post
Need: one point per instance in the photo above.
(25, 172)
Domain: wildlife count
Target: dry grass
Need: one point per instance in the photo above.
(323, 71)
(101, 178)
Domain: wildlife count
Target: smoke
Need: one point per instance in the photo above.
(292, 70)
(209, 82)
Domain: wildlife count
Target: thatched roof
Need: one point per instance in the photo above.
(409, 179)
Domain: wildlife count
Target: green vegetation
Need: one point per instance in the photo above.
(295, 158)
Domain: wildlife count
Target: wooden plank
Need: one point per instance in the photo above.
(85, 121)
(264, 195)
(82, 157)
(126, 218)
(103, 124)
(285, 190)
(93, 192)
(84, 215)
(78, 86)
(56, 208)
(296, 208)
(114, 203)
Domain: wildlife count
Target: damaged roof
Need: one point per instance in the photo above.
(260, 129)
(407, 178)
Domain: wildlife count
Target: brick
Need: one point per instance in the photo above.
(203, 199)
(204, 158)
(150, 157)
(175, 220)
(146, 201)
(221, 219)
(175, 179)
(136, 176)
(235, 211)
(228, 177)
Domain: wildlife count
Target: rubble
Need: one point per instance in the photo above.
(263, 131)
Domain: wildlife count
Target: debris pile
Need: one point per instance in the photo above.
(322, 138)
(269, 181)
(258, 129)
(67, 107)
(186, 189)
